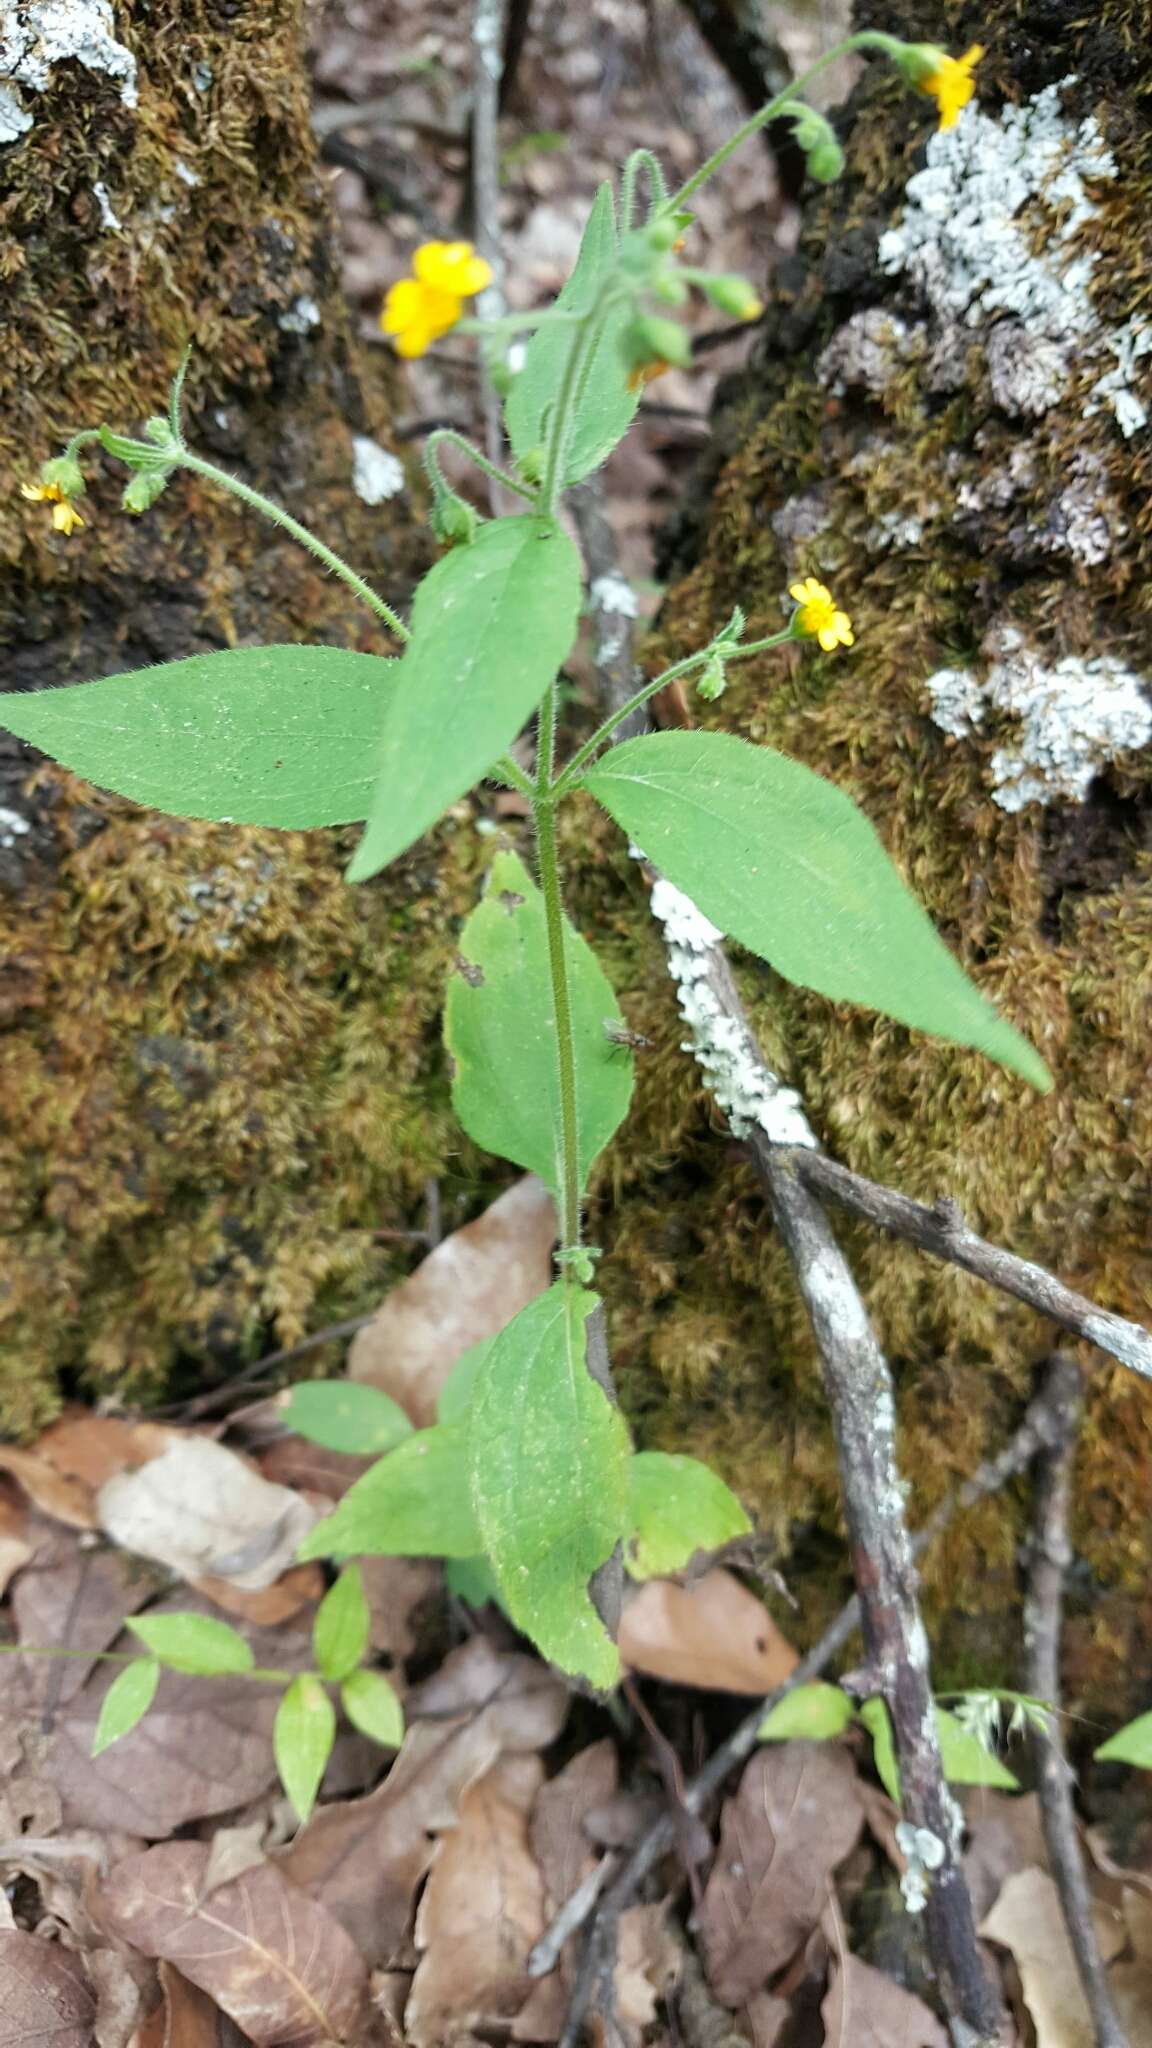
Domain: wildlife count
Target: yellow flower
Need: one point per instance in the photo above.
(419, 309)
(65, 517)
(818, 617)
(952, 84)
(643, 373)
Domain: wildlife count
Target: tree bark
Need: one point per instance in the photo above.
(207, 1117)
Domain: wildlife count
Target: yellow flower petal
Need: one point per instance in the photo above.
(452, 267)
(417, 314)
(953, 85)
(38, 492)
(65, 517)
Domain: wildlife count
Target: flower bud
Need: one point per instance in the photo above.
(713, 678)
(651, 339)
(733, 295)
(63, 474)
(159, 430)
(144, 489)
(454, 521)
(819, 141)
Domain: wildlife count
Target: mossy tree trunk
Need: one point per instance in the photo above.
(215, 1087)
(945, 427)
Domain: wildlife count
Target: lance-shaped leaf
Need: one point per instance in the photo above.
(604, 406)
(413, 1503)
(501, 1033)
(491, 624)
(253, 736)
(785, 862)
(302, 1738)
(550, 1479)
(677, 1506)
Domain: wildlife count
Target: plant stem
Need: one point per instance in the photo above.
(508, 771)
(259, 503)
(570, 773)
(641, 160)
(548, 863)
(583, 341)
(491, 470)
(768, 112)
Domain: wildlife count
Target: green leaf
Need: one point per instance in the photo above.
(413, 1503)
(196, 1643)
(784, 862)
(491, 624)
(550, 1479)
(345, 1416)
(1131, 1744)
(472, 1579)
(499, 1030)
(302, 1738)
(966, 1761)
(340, 1630)
(605, 406)
(455, 1397)
(126, 1701)
(253, 736)
(677, 1506)
(372, 1706)
(809, 1713)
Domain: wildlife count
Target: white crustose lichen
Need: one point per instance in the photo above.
(1075, 716)
(992, 235)
(37, 35)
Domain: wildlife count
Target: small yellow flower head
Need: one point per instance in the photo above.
(951, 84)
(818, 618)
(419, 309)
(65, 517)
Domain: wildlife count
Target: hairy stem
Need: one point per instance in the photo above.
(866, 40)
(442, 436)
(548, 862)
(276, 514)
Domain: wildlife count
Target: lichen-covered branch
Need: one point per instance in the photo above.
(1051, 1556)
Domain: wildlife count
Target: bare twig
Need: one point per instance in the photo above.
(942, 1231)
(488, 22)
(1040, 1427)
(1051, 1556)
(573, 1913)
(221, 1397)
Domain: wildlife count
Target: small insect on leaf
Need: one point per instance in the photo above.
(126, 1701)
(619, 1034)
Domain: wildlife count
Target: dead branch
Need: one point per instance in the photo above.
(1043, 1611)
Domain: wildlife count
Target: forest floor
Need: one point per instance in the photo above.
(163, 1893)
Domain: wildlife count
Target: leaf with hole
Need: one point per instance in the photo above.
(677, 1506)
(372, 1706)
(280, 736)
(302, 1739)
(195, 1643)
(340, 1630)
(786, 863)
(501, 1035)
(550, 1457)
(491, 624)
(126, 1701)
(415, 1502)
(603, 407)
(343, 1415)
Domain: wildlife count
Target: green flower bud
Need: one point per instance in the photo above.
(819, 141)
(731, 294)
(531, 465)
(713, 678)
(650, 343)
(454, 521)
(669, 287)
(158, 429)
(917, 61)
(663, 234)
(144, 489)
(63, 474)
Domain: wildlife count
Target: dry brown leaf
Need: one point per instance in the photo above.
(1005, 1834)
(72, 1598)
(202, 1511)
(310, 1469)
(274, 1959)
(481, 1911)
(714, 1633)
(395, 1588)
(1027, 1921)
(556, 1831)
(300, 1587)
(1131, 1988)
(647, 1959)
(44, 1994)
(866, 2009)
(232, 1851)
(17, 1541)
(125, 1987)
(93, 1448)
(186, 2018)
(766, 2017)
(365, 1857)
(66, 1500)
(468, 1288)
(794, 1818)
